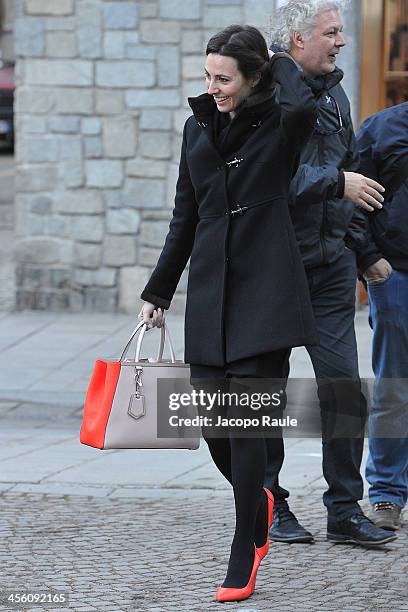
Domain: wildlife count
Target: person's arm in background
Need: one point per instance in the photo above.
(383, 145)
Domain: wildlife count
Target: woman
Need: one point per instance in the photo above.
(247, 297)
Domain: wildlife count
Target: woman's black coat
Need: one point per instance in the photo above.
(247, 291)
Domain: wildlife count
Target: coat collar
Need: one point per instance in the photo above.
(326, 82)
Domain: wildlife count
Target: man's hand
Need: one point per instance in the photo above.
(151, 315)
(363, 191)
(378, 272)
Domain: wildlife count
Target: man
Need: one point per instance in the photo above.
(330, 229)
(383, 145)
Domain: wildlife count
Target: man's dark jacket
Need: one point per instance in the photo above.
(323, 221)
(383, 144)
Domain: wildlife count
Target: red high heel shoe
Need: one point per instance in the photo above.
(231, 594)
(263, 550)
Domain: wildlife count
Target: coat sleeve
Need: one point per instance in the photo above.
(179, 241)
(297, 102)
(383, 145)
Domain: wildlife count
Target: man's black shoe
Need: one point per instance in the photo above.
(358, 529)
(286, 528)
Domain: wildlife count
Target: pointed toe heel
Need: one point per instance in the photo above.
(262, 551)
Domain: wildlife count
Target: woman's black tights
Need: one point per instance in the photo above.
(242, 461)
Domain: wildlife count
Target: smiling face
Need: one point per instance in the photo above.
(225, 82)
(317, 55)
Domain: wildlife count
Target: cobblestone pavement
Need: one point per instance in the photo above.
(169, 556)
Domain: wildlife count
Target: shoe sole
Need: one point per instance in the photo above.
(298, 540)
(342, 539)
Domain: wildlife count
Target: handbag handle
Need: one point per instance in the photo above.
(143, 328)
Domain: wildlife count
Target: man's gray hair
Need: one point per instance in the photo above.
(299, 16)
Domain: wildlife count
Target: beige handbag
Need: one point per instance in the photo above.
(121, 406)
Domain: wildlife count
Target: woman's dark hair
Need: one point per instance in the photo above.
(248, 47)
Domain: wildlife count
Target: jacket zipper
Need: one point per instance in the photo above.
(324, 217)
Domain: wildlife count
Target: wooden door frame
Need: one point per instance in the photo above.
(372, 85)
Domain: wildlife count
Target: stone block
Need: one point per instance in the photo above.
(109, 102)
(122, 221)
(70, 148)
(31, 124)
(192, 41)
(34, 100)
(140, 52)
(100, 300)
(105, 277)
(168, 66)
(144, 193)
(64, 125)
(29, 37)
(49, 7)
(79, 202)
(84, 277)
(160, 32)
(156, 145)
(177, 142)
(114, 45)
(71, 174)
(144, 168)
(172, 176)
(89, 29)
(88, 228)
(152, 119)
(113, 198)
(120, 15)
(78, 73)
(119, 250)
(258, 13)
(148, 256)
(33, 149)
(54, 24)
(221, 16)
(104, 173)
(180, 9)
(36, 178)
(119, 137)
(166, 98)
(87, 255)
(41, 250)
(91, 126)
(125, 74)
(71, 100)
(225, 2)
(192, 88)
(61, 44)
(148, 10)
(41, 205)
(132, 281)
(59, 225)
(193, 67)
(153, 233)
(93, 147)
(180, 117)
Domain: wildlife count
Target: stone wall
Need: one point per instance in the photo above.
(100, 106)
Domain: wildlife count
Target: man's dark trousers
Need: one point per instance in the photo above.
(335, 363)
